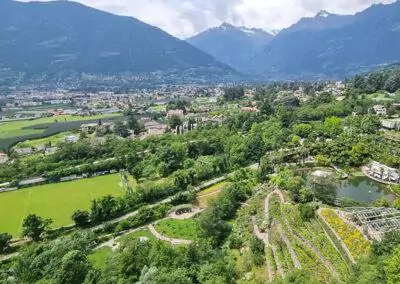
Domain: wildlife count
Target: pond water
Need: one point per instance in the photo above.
(361, 189)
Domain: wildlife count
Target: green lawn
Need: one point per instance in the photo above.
(138, 234)
(15, 128)
(55, 201)
(180, 229)
(99, 257)
(212, 189)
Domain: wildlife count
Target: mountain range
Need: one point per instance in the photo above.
(61, 38)
(64, 39)
(230, 44)
(324, 46)
(329, 46)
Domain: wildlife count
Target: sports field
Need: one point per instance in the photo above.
(55, 201)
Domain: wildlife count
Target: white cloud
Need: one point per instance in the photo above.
(184, 18)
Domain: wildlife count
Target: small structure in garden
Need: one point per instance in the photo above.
(321, 173)
(375, 222)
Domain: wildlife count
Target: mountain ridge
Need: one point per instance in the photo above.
(69, 37)
(231, 44)
(334, 49)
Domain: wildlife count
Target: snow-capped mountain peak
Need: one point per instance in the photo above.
(323, 14)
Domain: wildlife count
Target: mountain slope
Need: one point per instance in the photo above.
(369, 39)
(60, 38)
(230, 44)
(322, 21)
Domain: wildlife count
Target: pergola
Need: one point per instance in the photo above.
(375, 222)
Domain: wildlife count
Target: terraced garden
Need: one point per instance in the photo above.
(351, 237)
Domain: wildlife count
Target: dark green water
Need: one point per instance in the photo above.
(361, 189)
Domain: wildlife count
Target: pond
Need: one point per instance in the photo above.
(361, 189)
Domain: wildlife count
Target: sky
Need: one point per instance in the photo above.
(185, 18)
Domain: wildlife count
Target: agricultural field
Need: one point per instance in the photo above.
(180, 229)
(209, 194)
(56, 201)
(53, 140)
(158, 108)
(357, 244)
(22, 130)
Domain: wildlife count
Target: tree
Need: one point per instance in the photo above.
(134, 125)
(4, 241)
(103, 209)
(396, 203)
(174, 121)
(81, 218)
(257, 247)
(121, 129)
(392, 268)
(213, 227)
(34, 226)
(306, 195)
(74, 267)
(137, 172)
(266, 168)
(382, 202)
(307, 212)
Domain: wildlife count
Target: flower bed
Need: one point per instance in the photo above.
(349, 235)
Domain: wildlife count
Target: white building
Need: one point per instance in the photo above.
(380, 110)
(175, 112)
(71, 139)
(391, 123)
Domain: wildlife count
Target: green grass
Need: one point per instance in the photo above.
(180, 229)
(158, 108)
(206, 196)
(54, 140)
(136, 235)
(16, 128)
(213, 188)
(99, 257)
(55, 201)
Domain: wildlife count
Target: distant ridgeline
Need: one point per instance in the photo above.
(61, 40)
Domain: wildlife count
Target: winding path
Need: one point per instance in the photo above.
(265, 237)
(303, 241)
